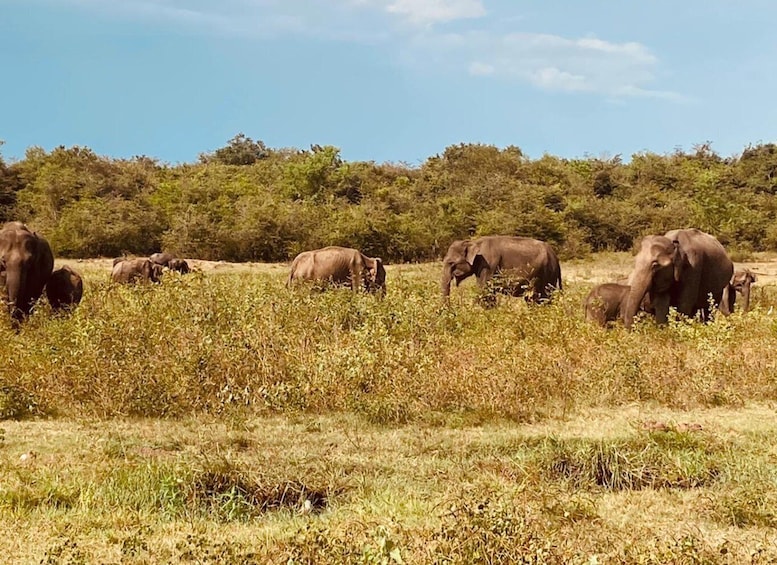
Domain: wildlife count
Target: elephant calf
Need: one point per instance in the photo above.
(64, 288)
(740, 283)
(171, 262)
(134, 270)
(339, 266)
(606, 303)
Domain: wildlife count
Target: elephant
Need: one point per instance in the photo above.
(162, 258)
(171, 262)
(133, 270)
(524, 266)
(179, 265)
(605, 303)
(340, 266)
(64, 288)
(681, 268)
(26, 263)
(740, 283)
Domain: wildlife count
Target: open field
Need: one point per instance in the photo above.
(219, 417)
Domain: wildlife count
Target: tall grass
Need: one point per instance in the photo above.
(218, 343)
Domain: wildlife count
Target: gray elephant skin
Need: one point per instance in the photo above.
(681, 268)
(739, 284)
(339, 266)
(523, 266)
(606, 302)
(26, 262)
(171, 262)
(136, 270)
(64, 288)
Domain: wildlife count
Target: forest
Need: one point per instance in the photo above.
(248, 202)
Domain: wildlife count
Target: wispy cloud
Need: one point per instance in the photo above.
(434, 11)
(419, 30)
(549, 62)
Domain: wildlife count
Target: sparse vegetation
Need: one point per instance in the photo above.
(220, 417)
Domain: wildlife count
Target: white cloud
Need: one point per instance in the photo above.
(546, 61)
(481, 69)
(554, 79)
(433, 11)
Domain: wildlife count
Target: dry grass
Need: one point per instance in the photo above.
(221, 418)
(152, 491)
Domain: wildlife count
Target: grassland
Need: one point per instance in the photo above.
(219, 417)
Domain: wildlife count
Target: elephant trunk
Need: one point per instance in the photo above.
(14, 284)
(445, 282)
(745, 298)
(634, 300)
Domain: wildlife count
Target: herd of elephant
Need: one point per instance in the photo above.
(27, 270)
(684, 269)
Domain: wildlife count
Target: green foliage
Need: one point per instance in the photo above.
(245, 202)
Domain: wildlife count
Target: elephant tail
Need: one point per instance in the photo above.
(292, 273)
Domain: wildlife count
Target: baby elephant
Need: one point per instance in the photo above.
(133, 270)
(605, 302)
(64, 288)
(171, 262)
(740, 283)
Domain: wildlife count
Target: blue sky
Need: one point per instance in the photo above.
(387, 80)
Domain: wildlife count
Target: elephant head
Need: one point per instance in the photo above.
(27, 262)
(658, 265)
(458, 264)
(376, 276)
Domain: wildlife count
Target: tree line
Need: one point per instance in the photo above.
(248, 202)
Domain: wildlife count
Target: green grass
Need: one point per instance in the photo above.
(220, 417)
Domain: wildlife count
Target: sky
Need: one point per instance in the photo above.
(387, 80)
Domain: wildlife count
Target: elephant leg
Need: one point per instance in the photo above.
(689, 299)
(356, 280)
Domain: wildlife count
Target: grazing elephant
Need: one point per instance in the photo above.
(64, 288)
(739, 283)
(523, 265)
(682, 268)
(171, 262)
(605, 303)
(133, 270)
(340, 265)
(26, 262)
(179, 265)
(162, 258)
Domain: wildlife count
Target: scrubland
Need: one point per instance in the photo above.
(220, 417)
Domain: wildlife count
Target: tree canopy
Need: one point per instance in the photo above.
(247, 202)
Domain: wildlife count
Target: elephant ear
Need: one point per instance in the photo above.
(679, 259)
(471, 252)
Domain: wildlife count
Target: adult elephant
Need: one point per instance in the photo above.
(162, 258)
(64, 288)
(524, 266)
(136, 270)
(681, 268)
(339, 265)
(26, 262)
